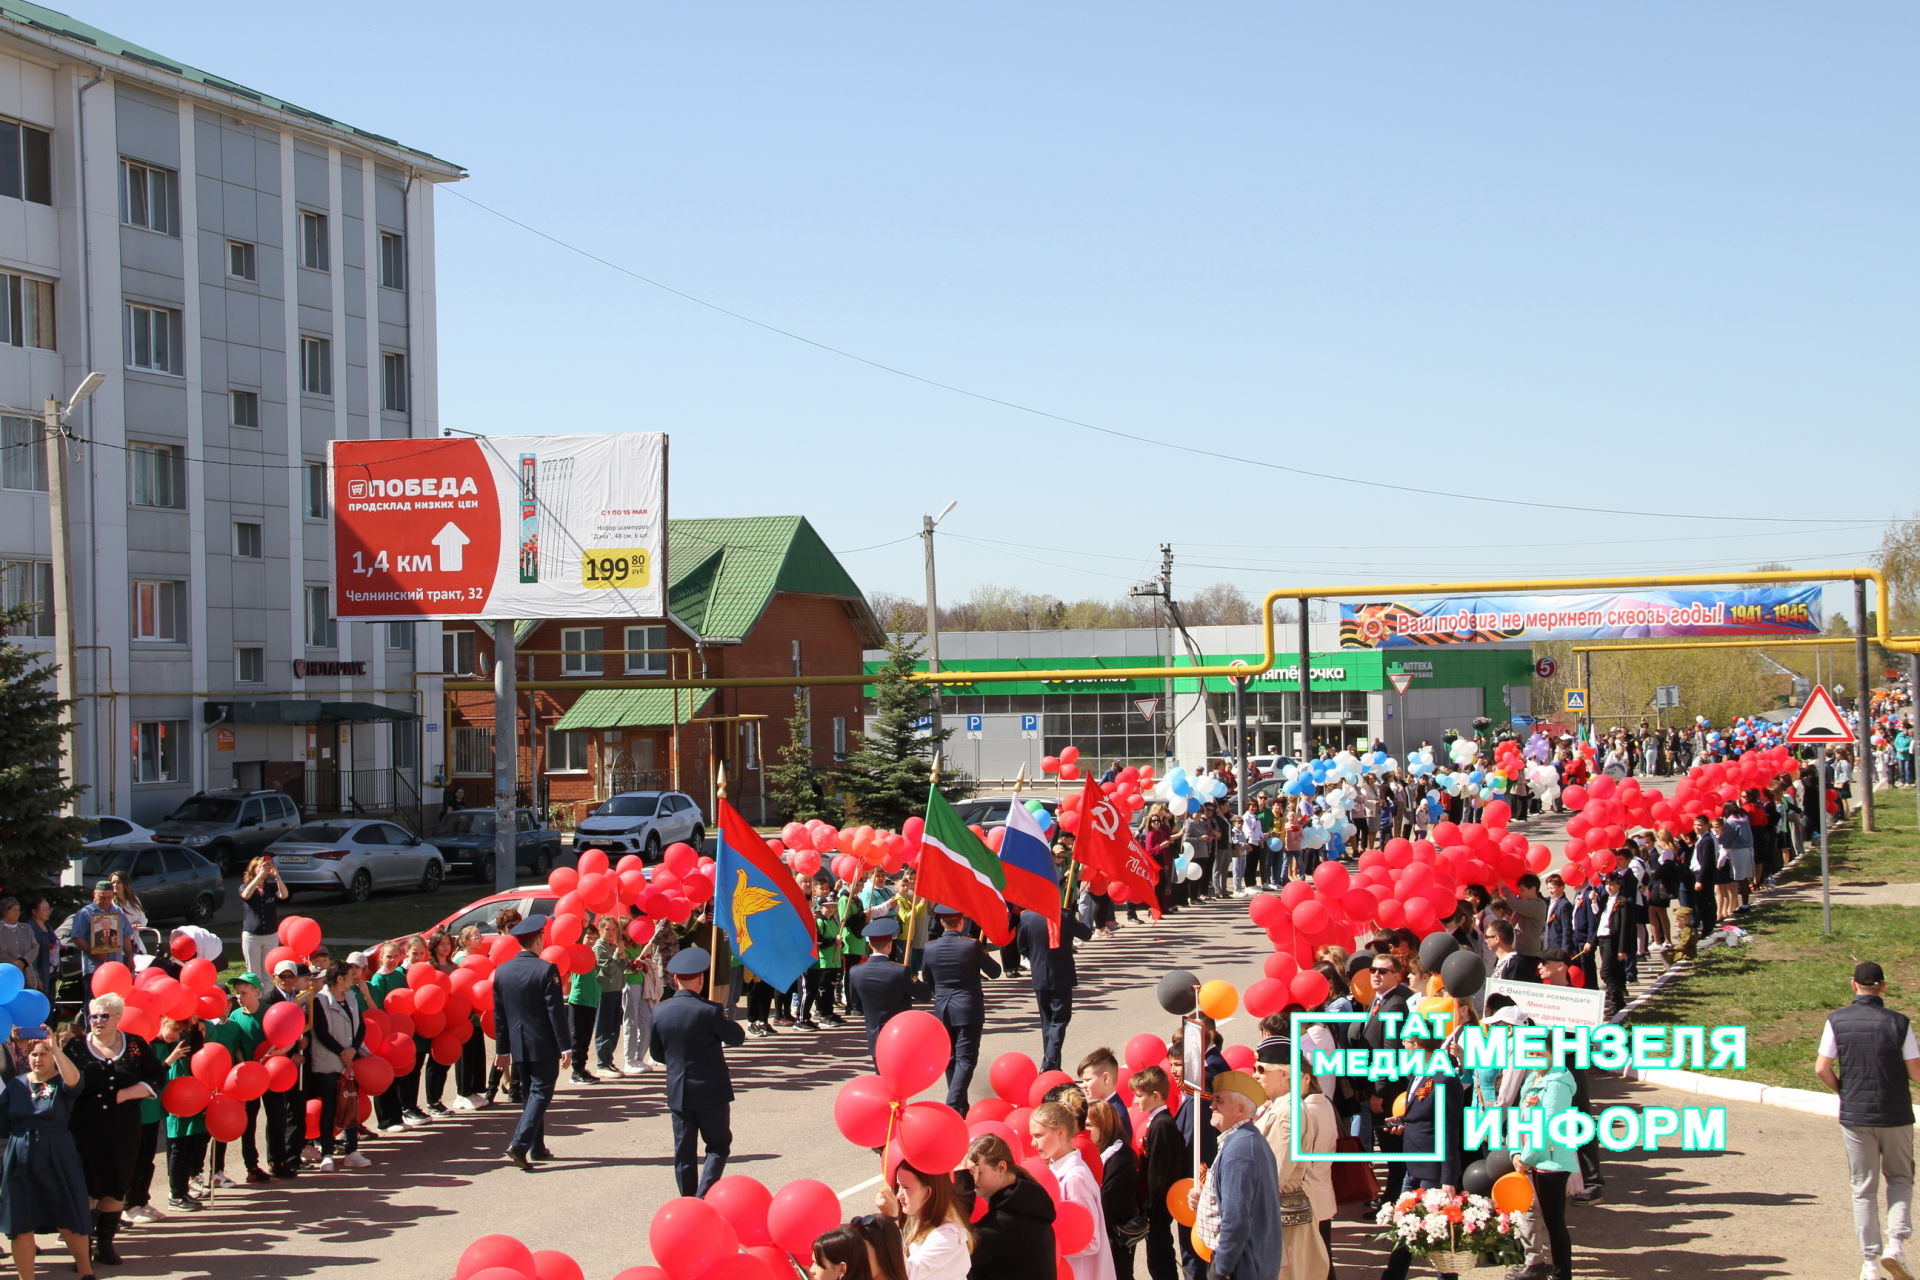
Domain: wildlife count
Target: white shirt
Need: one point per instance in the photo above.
(941, 1254)
(1830, 1048)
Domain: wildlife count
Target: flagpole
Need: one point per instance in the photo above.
(713, 908)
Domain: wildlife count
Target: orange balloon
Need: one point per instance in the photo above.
(1400, 1105)
(1435, 987)
(1218, 999)
(1200, 1247)
(1513, 1193)
(1177, 1202)
(1362, 985)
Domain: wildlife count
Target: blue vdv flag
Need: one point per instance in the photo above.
(759, 905)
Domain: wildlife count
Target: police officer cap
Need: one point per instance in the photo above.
(940, 909)
(884, 927)
(528, 927)
(688, 963)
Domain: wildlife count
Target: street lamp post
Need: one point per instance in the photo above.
(54, 415)
(927, 525)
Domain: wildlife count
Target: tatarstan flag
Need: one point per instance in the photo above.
(958, 871)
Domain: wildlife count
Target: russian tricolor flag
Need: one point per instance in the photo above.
(1028, 861)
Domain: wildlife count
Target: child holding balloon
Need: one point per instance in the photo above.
(186, 1122)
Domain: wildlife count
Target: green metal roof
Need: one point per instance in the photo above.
(722, 573)
(633, 708)
(55, 23)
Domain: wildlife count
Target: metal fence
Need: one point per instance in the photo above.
(368, 793)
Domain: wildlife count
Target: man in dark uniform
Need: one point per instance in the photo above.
(883, 983)
(1391, 996)
(530, 1016)
(1053, 978)
(691, 1035)
(286, 1113)
(956, 963)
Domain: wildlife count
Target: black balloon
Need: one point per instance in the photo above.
(1477, 1180)
(1176, 993)
(1463, 974)
(1435, 950)
(1499, 1164)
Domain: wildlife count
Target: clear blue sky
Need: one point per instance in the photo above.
(1655, 257)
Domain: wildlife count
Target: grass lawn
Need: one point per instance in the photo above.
(1782, 984)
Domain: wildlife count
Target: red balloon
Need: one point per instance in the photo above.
(688, 1236)
(1310, 917)
(1331, 879)
(210, 1064)
(1262, 999)
(112, 978)
(212, 1005)
(1143, 1051)
(445, 1048)
(932, 1137)
(247, 1081)
(183, 948)
(1281, 966)
(1045, 1082)
(300, 934)
(1240, 1057)
(283, 1024)
(1072, 1227)
(863, 1111)
(373, 1074)
(197, 974)
(1012, 1076)
(551, 1264)
(494, 1251)
(801, 1212)
(282, 1074)
(592, 862)
(226, 1118)
(185, 1096)
(912, 1051)
(741, 1200)
(1309, 988)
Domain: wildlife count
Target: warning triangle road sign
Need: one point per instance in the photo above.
(1146, 707)
(1820, 720)
(1402, 681)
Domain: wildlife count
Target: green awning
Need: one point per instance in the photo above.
(362, 712)
(633, 708)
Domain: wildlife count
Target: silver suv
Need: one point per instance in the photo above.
(228, 827)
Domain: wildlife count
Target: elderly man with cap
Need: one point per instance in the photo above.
(1237, 1210)
(533, 1030)
(883, 983)
(1874, 1048)
(691, 1035)
(101, 931)
(287, 1111)
(956, 963)
(1305, 1246)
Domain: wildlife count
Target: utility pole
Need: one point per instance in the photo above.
(66, 669)
(1166, 695)
(506, 760)
(927, 525)
(1863, 706)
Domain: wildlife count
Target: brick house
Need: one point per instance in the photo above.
(753, 596)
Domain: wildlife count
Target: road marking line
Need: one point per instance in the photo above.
(854, 1191)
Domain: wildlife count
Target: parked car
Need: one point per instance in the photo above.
(230, 827)
(465, 838)
(1260, 768)
(532, 900)
(988, 812)
(173, 883)
(356, 858)
(642, 822)
(108, 831)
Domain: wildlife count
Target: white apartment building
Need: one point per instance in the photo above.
(254, 280)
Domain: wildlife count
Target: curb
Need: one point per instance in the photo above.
(1767, 1095)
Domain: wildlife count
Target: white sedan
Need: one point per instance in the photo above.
(108, 831)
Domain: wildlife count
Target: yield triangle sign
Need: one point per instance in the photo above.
(1820, 720)
(1402, 681)
(1146, 707)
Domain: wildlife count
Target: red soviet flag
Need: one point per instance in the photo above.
(1106, 846)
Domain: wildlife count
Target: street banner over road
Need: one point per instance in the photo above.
(500, 527)
(1757, 611)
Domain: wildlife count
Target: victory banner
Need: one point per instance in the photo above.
(1758, 611)
(500, 527)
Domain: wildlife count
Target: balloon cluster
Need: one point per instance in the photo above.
(156, 994)
(20, 1006)
(672, 891)
(1066, 764)
(855, 851)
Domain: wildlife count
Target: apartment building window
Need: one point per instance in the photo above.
(159, 474)
(566, 752)
(646, 664)
(316, 366)
(156, 750)
(26, 162)
(23, 457)
(316, 491)
(313, 240)
(248, 544)
(393, 260)
(323, 629)
(400, 637)
(473, 751)
(460, 652)
(28, 583)
(246, 408)
(405, 744)
(839, 737)
(147, 195)
(240, 261)
(157, 607)
(250, 665)
(393, 381)
(580, 651)
(26, 313)
(153, 338)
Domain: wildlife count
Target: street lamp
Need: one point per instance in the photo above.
(54, 415)
(927, 525)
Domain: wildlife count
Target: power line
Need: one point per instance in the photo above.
(1017, 407)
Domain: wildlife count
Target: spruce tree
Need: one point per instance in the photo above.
(885, 779)
(795, 782)
(36, 842)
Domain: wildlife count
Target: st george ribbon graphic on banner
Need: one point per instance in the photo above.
(1756, 611)
(500, 527)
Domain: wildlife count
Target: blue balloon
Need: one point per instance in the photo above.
(1180, 787)
(28, 1008)
(11, 982)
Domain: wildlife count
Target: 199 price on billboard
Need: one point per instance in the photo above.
(619, 567)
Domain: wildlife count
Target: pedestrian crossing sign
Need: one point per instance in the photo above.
(1576, 699)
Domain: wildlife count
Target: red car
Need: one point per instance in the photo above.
(527, 900)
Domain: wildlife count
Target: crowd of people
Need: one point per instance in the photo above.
(86, 1130)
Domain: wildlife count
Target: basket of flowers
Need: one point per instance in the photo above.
(1453, 1230)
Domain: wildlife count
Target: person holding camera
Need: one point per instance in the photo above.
(261, 893)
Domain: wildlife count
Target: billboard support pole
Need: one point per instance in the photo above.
(506, 760)
(1307, 752)
(1863, 706)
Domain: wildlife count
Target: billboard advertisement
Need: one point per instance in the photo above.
(501, 527)
(1637, 615)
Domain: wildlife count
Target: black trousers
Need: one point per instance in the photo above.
(583, 1016)
(1162, 1263)
(712, 1126)
(141, 1192)
(186, 1155)
(759, 1001)
(816, 994)
(1056, 1010)
(249, 1148)
(1550, 1206)
(966, 1056)
(286, 1126)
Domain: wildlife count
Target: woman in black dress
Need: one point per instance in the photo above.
(42, 1187)
(117, 1070)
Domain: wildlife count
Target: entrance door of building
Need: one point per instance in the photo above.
(325, 797)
